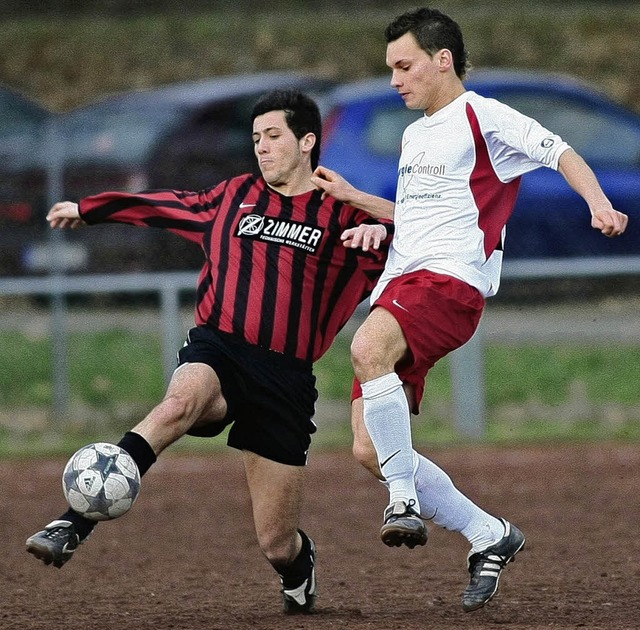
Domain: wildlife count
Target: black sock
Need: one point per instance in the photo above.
(139, 450)
(82, 525)
(141, 453)
(294, 574)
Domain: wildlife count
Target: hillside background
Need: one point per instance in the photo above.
(65, 52)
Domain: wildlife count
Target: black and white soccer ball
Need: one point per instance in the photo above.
(101, 481)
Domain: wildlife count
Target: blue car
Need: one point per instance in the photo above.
(365, 121)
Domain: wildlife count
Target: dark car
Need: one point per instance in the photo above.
(23, 185)
(184, 136)
(364, 128)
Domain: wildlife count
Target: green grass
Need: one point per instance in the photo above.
(609, 373)
(104, 369)
(533, 393)
(515, 375)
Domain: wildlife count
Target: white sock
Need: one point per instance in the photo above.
(388, 421)
(447, 507)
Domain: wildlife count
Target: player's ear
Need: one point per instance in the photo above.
(444, 58)
(307, 142)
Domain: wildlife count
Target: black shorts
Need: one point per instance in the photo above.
(270, 396)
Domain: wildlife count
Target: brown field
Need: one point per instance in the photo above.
(186, 556)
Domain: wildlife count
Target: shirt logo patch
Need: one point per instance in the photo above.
(283, 231)
(407, 172)
(547, 142)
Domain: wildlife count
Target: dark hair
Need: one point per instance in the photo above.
(433, 31)
(300, 111)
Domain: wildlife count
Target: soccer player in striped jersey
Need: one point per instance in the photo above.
(285, 266)
(458, 178)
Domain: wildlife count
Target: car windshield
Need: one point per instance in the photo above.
(22, 129)
(116, 132)
(127, 129)
(600, 138)
(18, 117)
(387, 126)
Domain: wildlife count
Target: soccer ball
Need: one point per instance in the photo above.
(101, 481)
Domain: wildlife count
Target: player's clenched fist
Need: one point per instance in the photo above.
(64, 214)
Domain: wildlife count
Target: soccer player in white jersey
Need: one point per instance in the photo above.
(458, 179)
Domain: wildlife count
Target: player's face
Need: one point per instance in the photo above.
(414, 73)
(280, 154)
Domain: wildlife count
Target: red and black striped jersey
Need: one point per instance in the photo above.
(276, 273)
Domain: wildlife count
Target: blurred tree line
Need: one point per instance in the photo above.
(18, 8)
(123, 8)
(67, 52)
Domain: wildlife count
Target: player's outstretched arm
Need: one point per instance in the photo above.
(331, 183)
(64, 214)
(583, 180)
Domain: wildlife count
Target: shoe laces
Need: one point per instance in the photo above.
(408, 508)
(56, 533)
(410, 505)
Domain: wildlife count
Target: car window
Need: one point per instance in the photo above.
(598, 136)
(211, 145)
(22, 131)
(115, 132)
(18, 117)
(385, 128)
(22, 180)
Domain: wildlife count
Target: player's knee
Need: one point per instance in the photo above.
(177, 410)
(366, 358)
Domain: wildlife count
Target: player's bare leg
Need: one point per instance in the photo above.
(193, 397)
(276, 496)
(377, 347)
(404, 527)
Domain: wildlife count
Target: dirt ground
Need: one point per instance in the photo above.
(186, 556)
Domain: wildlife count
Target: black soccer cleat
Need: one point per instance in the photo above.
(403, 526)
(486, 567)
(55, 544)
(302, 599)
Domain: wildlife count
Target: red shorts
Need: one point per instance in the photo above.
(437, 314)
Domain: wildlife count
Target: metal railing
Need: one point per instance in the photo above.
(466, 363)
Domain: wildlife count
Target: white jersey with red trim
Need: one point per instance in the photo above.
(458, 179)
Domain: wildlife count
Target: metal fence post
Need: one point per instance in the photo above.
(171, 329)
(59, 333)
(467, 379)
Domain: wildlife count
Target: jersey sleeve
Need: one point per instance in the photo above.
(181, 212)
(518, 144)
